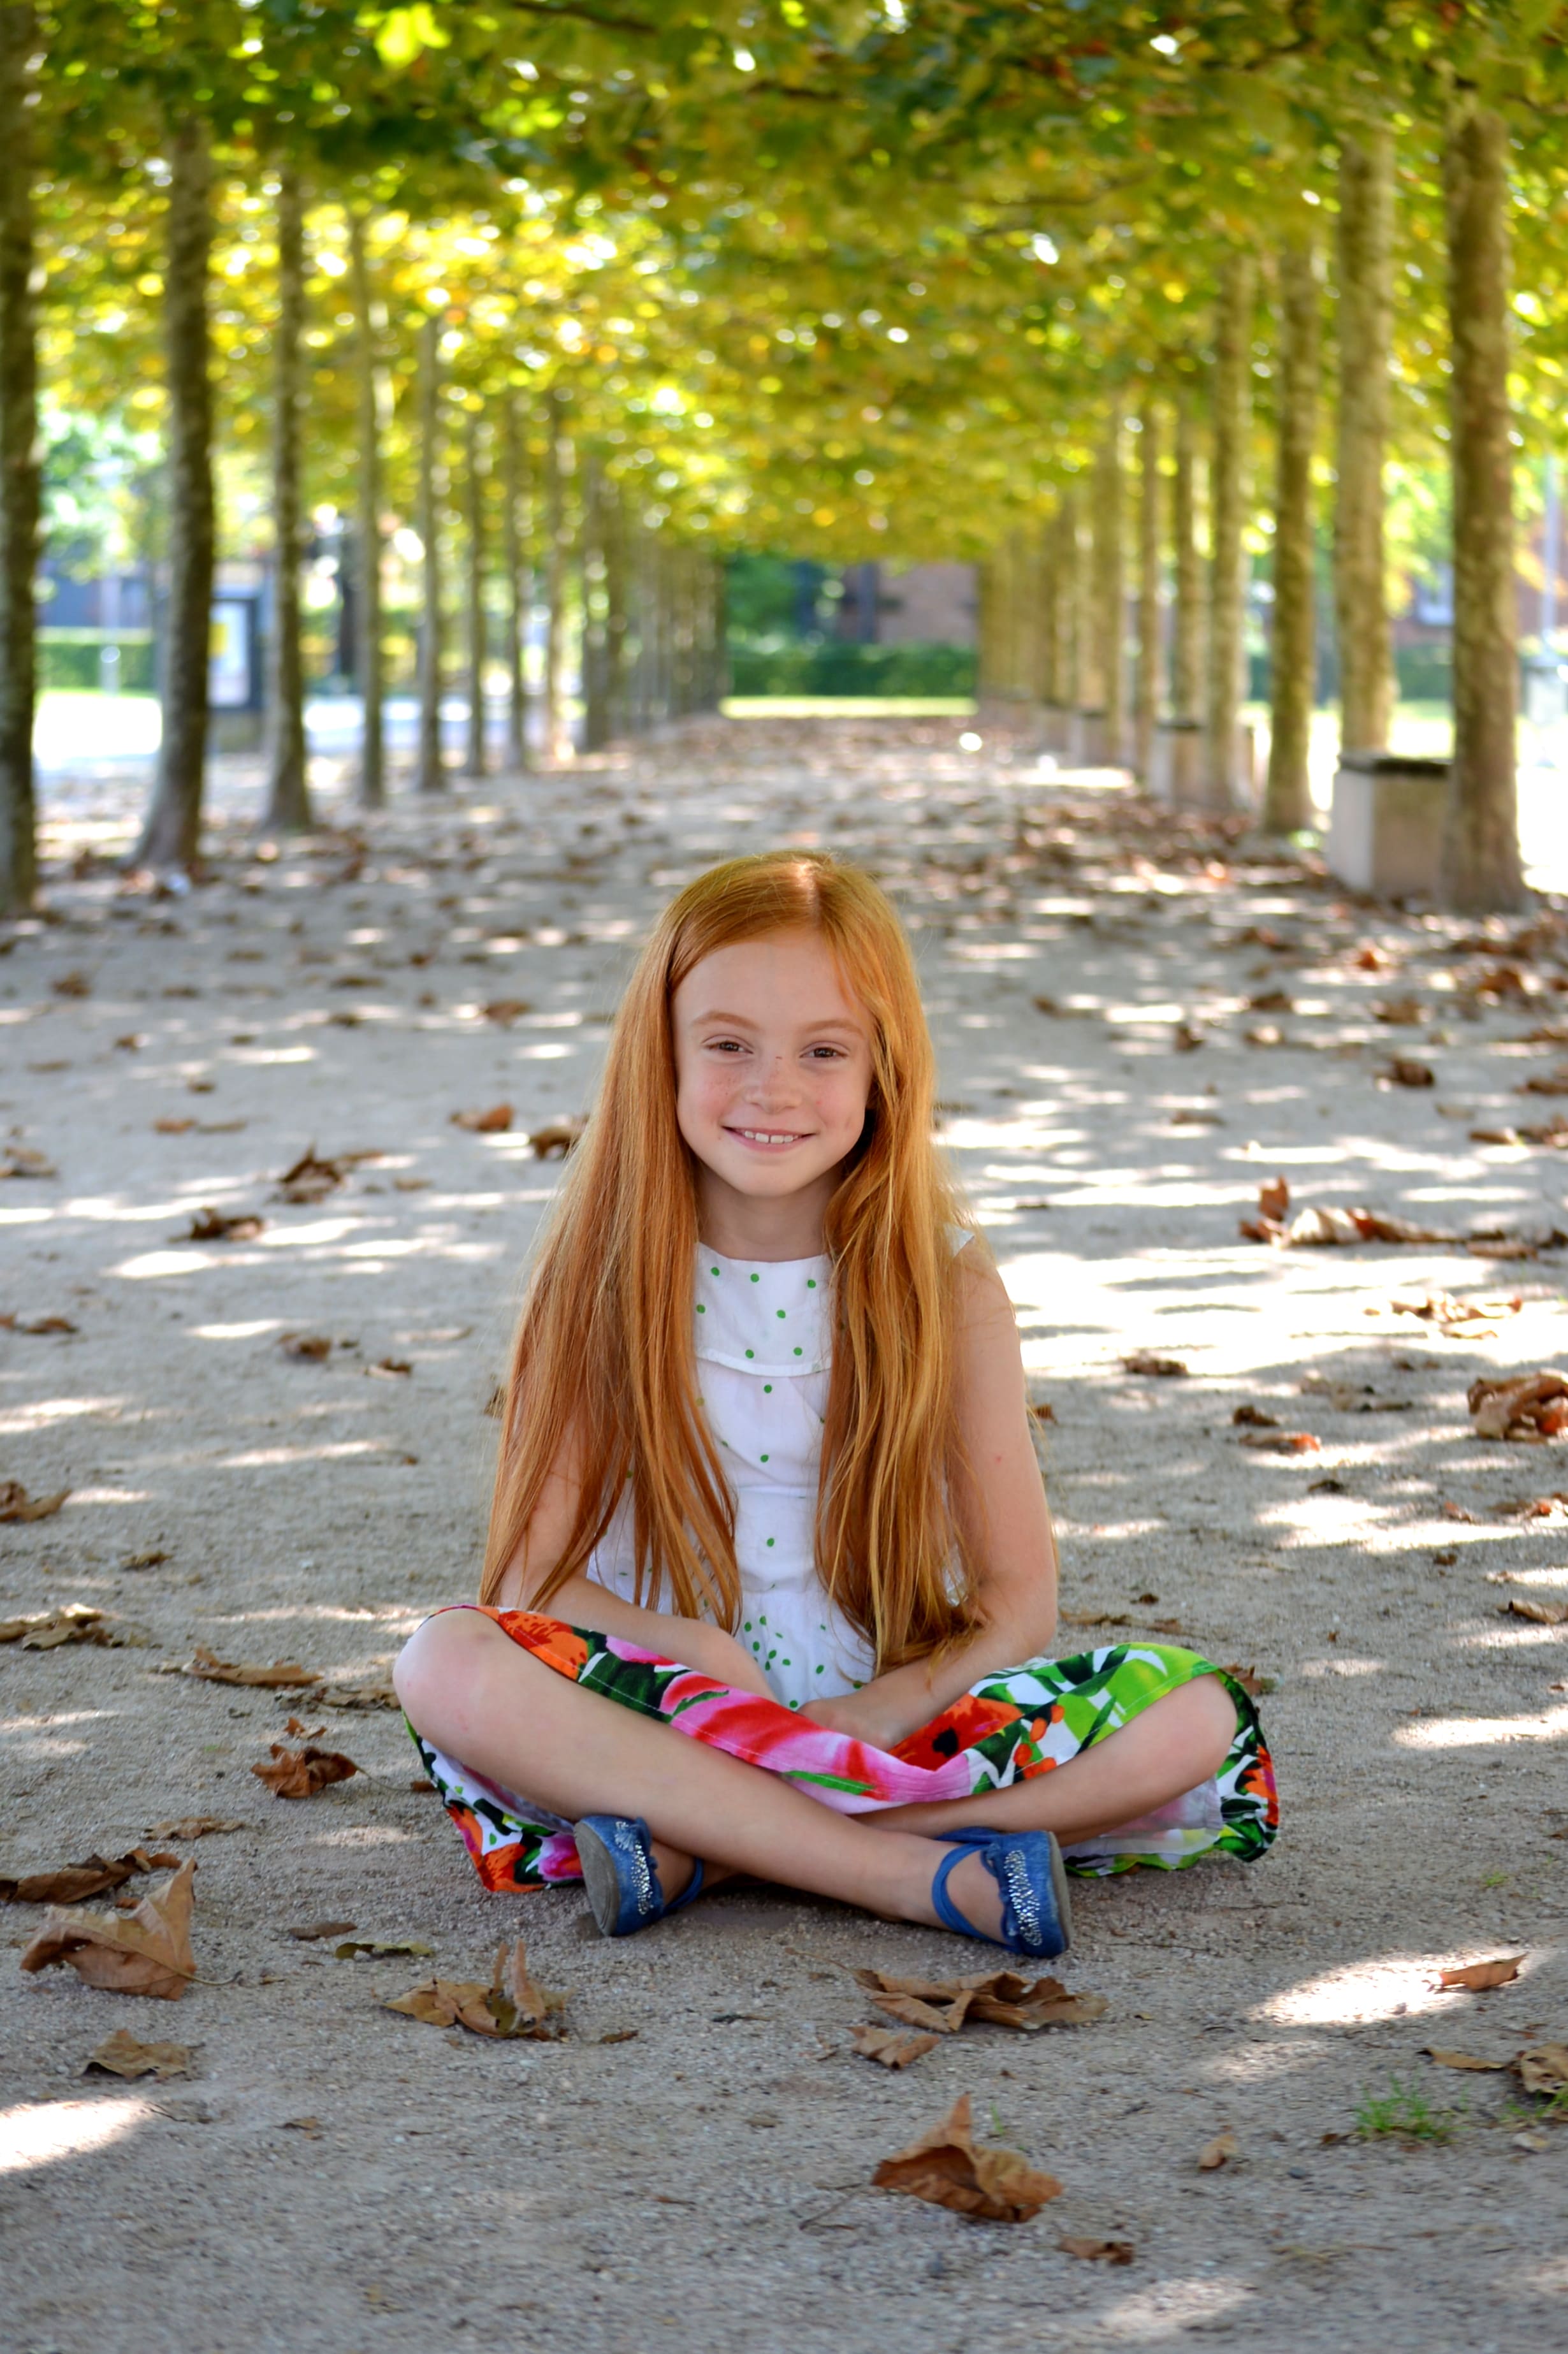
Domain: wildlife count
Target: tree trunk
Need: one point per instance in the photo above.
(614, 622)
(1069, 571)
(1109, 590)
(473, 487)
(1227, 562)
(556, 731)
(1146, 708)
(430, 772)
(1187, 601)
(594, 635)
(1481, 869)
(1287, 800)
(1365, 270)
(1050, 578)
(518, 600)
(367, 531)
(19, 488)
(172, 833)
(288, 795)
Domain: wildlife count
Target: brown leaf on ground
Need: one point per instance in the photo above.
(1093, 1618)
(76, 1622)
(1255, 1417)
(1098, 2252)
(1271, 1001)
(1405, 1071)
(306, 1347)
(1319, 1228)
(309, 1179)
(72, 984)
(1543, 2068)
(1528, 1406)
(504, 1010)
(1494, 1135)
(1185, 1039)
(1369, 958)
(1464, 2060)
(147, 1951)
(120, 2054)
(71, 1883)
(15, 1504)
(1539, 1613)
(1217, 2153)
(366, 1695)
(888, 2047)
(493, 1122)
(1442, 1309)
(1257, 1687)
(210, 1226)
(1479, 1977)
(1502, 980)
(193, 1827)
(301, 1773)
(282, 1675)
(945, 2168)
(36, 1325)
(1145, 1360)
(556, 1139)
(1000, 1997)
(1282, 1442)
(21, 1160)
(1400, 1012)
(352, 1947)
(149, 1557)
(1264, 1033)
(388, 1368)
(513, 2006)
(307, 1932)
(296, 1729)
(1532, 1508)
(172, 1127)
(1274, 1199)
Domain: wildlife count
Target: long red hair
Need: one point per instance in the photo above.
(603, 1371)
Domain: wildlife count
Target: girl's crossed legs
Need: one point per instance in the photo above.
(476, 1696)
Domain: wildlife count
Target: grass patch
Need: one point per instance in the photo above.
(1405, 2112)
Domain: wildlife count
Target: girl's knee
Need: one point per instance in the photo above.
(441, 1659)
(1213, 1714)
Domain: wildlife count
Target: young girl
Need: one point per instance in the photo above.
(770, 1584)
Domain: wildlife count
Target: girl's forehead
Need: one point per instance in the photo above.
(772, 973)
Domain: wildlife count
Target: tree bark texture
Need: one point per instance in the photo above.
(172, 833)
(1110, 588)
(1481, 868)
(288, 797)
(594, 636)
(1069, 601)
(473, 504)
(19, 486)
(615, 593)
(1187, 600)
(1049, 578)
(430, 772)
(1146, 710)
(1365, 274)
(1287, 798)
(558, 731)
(367, 528)
(515, 552)
(1227, 561)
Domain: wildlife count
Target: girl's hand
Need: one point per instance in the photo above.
(864, 1716)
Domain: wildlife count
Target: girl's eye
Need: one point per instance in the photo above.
(726, 1046)
(828, 1054)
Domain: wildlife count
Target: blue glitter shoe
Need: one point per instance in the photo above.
(616, 1852)
(1036, 1916)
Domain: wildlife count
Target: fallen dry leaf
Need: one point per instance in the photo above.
(1405, 1071)
(172, 1127)
(1256, 1418)
(120, 2054)
(148, 1558)
(1543, 2068)
(301, 1773)
(1218, 2152)
(888, 2047)
(1145, 1360)
(493, 1122)
(1273, 1200)
(210, 1226)
(946, 2169)
(15, 1504)
(999, 1997)
(1545, 1083)
(1271, 1001)
(21, 1160)
(366, 1695)
(1282, 1442)
(1478, 1977)
(1442, 1309)
(1527, 1407)
(512, 2005)
(75, 1622)
(69, 1883)
(1464, 2060)
(310, 1180)
(147, 1951)
(282, 1675)
(1540, 1614)
(308, 1931)
(307, 1348)
(388, 1368)
(1257, 1687)
(35, 1326)
(192, 1827)
(1399, 1012)
(353, 1946)
(1318, 1228)
(506, 1010)
(556, 1139)
(1098, 2252)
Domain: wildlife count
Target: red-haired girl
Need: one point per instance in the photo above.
(770, 1584)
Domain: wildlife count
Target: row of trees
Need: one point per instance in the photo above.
(591, 292)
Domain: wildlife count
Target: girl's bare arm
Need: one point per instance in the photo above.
(583, 1601)
(1001, 1507)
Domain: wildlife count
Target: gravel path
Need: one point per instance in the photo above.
(691, 2165)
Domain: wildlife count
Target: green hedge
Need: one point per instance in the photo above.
(840, 667)
(72, 662)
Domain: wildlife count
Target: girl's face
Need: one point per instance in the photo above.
(772, 1065)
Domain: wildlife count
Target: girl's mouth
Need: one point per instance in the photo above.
(765, 1140)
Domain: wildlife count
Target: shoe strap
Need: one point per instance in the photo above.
(947, 1912)
(693, 1887)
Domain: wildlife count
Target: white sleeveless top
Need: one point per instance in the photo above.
(764, 1347)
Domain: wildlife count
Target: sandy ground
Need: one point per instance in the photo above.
(692, 2164)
